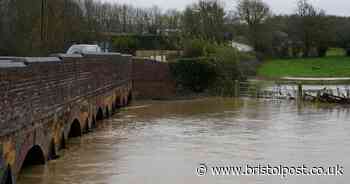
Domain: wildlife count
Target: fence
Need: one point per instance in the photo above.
(268, 90)
(292, 90)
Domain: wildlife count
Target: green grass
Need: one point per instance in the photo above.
(330, 66)
(336, 52)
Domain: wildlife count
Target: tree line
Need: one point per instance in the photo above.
(41, 27)
(306, 33)
(45, 26)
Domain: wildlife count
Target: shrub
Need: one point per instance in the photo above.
(194, 48)
(144, 42)
(212, 67)
(195, 74)
(226, 62)
(125, 44)
(248, 64)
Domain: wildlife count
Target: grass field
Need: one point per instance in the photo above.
(336, 64)
(336, 52)
(330, 66)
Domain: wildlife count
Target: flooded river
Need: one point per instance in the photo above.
(164, 142)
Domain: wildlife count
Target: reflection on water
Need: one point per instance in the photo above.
(164, 142)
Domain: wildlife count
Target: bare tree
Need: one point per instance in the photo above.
(254, 13)
(312, 28)
(205, 19)
(342, 33)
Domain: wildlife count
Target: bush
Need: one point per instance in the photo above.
(248, 64)
(125, 44)
(131, 42)
(195, 74)
(212, 67)
(226, 62)
(194, 48)
(199, 48)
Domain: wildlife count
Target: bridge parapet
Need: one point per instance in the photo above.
(30, 87)
(40, 99)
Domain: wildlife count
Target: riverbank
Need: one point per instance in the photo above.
(327, 67)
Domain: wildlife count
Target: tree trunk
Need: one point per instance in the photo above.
(347, 51)
(306, 52)
(322, 51)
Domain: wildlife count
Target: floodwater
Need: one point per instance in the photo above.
(158, 142)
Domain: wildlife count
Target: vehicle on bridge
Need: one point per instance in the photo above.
(84, 49)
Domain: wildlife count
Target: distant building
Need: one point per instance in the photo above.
(159, 55)
(242, 47)
(168, 32)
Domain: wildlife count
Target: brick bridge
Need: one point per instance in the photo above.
(46, 101)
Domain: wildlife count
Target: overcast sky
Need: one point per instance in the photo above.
(335, 7)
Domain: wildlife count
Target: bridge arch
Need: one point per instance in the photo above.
(124, 101)
(7, 177)
(52, 150)
(107, 112)
(93, 123)
(35, 156)
(99, 115)
(129, 98)
(62, 141)
(117, 103)
(114, 107)
(75, 129)
(86, 126)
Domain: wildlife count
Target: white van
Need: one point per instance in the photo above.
(84, 49)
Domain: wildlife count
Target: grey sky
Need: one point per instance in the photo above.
(335, 7)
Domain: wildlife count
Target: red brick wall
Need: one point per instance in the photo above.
(152, 80)
(31, 88)
(40, 99)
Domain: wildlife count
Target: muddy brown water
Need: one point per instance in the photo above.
(155, 142)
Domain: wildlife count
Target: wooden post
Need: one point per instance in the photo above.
(236, 88)
(257, 90)
(318, 95)
(300, 91)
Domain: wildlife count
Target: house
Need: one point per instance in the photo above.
(242, 47)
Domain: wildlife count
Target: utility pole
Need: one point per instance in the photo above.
(42, 20)
(124, 18)
(64, 22)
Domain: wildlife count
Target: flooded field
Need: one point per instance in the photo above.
(157, 142)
